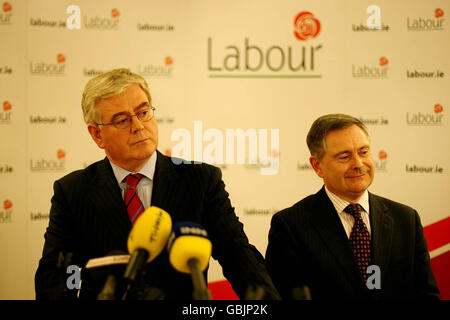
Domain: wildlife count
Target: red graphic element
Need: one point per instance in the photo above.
(440, 265)
(60, 58)
(7, 7)
(168, 152)
(222, 290)
(115, 13)
(7, 204)
(168, 61)
(383, 61)
(6, 106)
(437, 234)
(61, 154)
(438, 13)
(306, 26)
(438, 108)
(382, 155)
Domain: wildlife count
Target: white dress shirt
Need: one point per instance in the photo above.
(346, 218)
(145, 186)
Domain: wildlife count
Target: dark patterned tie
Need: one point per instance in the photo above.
(132, 201)
(359, 239)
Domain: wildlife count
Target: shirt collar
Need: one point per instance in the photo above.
(340, 204)
(148, 170)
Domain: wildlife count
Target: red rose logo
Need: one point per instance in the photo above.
(438, 108)
(383, 61)
(7, 204)
(306, 26)
(6, 106)
(115, 13)
(382, 155)
(60, 58)
(6, 7)
(438, 13)
(168, 61)
(61, 154)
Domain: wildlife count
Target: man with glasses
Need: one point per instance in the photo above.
(90, 214)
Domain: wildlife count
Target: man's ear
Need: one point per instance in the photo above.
(96, 135)
(315, 164)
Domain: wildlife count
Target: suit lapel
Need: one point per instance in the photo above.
(329, 226)
(106, 201)
(167, 186)
(382, 227)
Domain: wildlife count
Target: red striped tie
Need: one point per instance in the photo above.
(132, 201)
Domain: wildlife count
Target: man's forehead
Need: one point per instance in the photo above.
(349, 137)
(136, 100)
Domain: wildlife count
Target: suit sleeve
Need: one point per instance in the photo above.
(50, 278)
(242, 264)
(283, 258)
(425, 283)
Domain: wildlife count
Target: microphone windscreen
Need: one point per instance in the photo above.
(97, 270)
(150, 232)
(187, 241)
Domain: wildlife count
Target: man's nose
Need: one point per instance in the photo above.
(357, 162)
(136, 124)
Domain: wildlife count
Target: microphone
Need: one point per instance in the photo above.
(63, 262)
(109, 290)
(255, 293)
(301, 293)
(189, 252)
(147, 239)
(102, 274)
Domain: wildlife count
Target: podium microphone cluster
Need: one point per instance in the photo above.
(189, 252)
(147, 239)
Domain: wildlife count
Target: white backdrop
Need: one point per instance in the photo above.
(198, 58)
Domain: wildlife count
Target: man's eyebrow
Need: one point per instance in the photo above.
(348, 151)
(341, 153)
(143, 104)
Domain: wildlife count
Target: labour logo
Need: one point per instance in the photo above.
(306, 26)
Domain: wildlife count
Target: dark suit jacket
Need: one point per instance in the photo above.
(88, 218)
(308, 246)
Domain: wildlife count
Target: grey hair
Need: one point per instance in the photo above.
(107, 85)
(323, 125)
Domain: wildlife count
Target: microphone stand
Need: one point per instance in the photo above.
(200, 292)
(108, 292)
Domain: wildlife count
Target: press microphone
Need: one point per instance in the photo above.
(189, 252)
(103, 274)
(255, 293)
(301, 293)
(147, 239)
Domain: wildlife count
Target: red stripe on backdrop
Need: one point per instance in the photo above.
(437, 234)
(441, 267)
(222, 290)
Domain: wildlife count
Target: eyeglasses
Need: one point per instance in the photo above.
(124, 121)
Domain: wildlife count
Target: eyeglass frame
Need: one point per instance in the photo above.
(129, 117)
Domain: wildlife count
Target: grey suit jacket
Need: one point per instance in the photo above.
(308, 246)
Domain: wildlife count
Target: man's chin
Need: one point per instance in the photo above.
(142, 156)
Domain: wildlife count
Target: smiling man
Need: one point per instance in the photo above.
(325, 243)
(94, 209)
